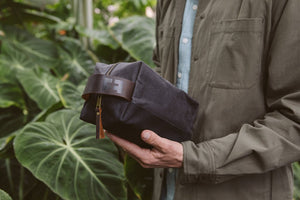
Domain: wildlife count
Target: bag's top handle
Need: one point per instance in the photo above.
(108, 85)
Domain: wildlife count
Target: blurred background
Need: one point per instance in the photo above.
(48, 50)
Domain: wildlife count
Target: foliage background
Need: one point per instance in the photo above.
(48, 49)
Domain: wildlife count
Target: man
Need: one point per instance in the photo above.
(244, 70)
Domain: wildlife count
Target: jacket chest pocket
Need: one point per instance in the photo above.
(236, 48)
(165, 39)
(166, 42)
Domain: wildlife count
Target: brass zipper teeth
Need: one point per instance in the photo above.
(110, 69)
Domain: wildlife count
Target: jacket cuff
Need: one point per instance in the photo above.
(198, 159)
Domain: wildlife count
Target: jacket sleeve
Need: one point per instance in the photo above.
(273, 141)
(155, 57)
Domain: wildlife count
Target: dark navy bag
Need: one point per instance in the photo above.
(127, 98)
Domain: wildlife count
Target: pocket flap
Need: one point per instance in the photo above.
(238, 25)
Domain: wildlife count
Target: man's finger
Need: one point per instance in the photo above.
(153, 139)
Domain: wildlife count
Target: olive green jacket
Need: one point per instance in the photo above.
(245, 74)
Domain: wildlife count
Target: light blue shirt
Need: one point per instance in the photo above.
(184, 65)
(185, 44)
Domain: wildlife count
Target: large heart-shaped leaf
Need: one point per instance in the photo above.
(137, 36)
(42, 52)
(63, 153)
(41, 87)
(12, 61)
(4, 195)
(75, 61)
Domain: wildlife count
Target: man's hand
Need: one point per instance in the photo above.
(165, 153)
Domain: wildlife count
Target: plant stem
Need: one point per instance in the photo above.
(8, 171)
(21, 183)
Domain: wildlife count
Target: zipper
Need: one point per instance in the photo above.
(111, 68)
(99, 125)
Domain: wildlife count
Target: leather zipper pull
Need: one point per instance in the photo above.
(99, 125)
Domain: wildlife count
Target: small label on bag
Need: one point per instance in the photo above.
(114, 85)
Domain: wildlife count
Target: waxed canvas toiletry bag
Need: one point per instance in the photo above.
(127, 98)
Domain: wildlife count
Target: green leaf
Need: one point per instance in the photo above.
(75, 62)
(296, 169)
(70, 95)
(11, 61)
(11, 119)
(63, 153)
(41, 116)
(102, 37)
(6, 146)
(21, 184)
(39, 87)
(17, 5)
(4, 195)
(29, 16)
(42, 52)
(137, 36)
(11, 95)
(139, 179)
(41, 4)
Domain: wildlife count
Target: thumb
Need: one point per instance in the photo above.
(153, 139)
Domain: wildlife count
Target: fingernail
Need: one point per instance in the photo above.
(146, 135)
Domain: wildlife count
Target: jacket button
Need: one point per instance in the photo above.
(160, 174)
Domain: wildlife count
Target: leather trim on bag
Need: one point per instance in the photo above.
(109, 85)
